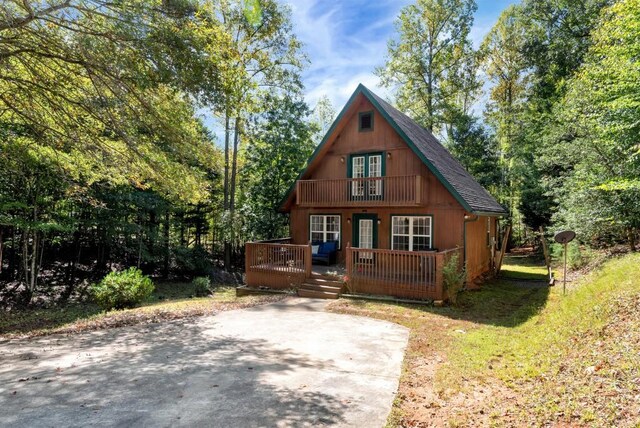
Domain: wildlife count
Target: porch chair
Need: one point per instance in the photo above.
(325, 252)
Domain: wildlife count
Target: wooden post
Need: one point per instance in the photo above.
(439, 277)
(505, 239)
(247, 262)
(349, 265)
(307, 260)
(418, 189)
(298, 192)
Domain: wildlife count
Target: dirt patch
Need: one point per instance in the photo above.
(167, 311)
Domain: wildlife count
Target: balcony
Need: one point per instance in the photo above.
(404, 190)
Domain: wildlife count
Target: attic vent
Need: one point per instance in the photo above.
(365, 122)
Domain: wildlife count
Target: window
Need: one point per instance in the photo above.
(411, 233)
(375, 170)
(365, 121)
(325, 228)
(367, 172)
(357, 171)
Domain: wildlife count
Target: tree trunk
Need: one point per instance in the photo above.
(13, 260)
(228, 247)
(1, 240)
(234, 167)
(167, 249)
(227, 131)
(632, 239)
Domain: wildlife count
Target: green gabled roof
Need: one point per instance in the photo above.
(464, 188)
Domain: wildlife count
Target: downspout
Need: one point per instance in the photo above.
(467, 219)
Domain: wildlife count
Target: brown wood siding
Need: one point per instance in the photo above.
(448, 215)
(401, 162)
(447, 225)
(478, 252)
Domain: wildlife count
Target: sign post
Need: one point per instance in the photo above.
(564, 238)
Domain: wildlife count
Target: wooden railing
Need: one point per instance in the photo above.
(406, 274)
(277, 265)
(372, 191)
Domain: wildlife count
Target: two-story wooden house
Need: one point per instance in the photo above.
(395, 200)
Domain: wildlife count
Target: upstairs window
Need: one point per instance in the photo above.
(365, 121)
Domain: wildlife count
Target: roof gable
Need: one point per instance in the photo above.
(449, 171)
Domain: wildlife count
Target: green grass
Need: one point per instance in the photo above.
(524, 267)
(571, 359)
(170, 300)
(542, 342)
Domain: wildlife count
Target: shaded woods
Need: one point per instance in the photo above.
(105, 159)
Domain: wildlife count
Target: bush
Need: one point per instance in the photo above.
(119, 290)
(577, 256)
(201, 286)
(453, 278)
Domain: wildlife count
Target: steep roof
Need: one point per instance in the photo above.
(465, 189)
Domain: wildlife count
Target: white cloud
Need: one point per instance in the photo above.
(343, 44)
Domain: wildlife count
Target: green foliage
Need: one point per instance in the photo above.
(596, 143)
(431, 63)
(120, 290)
(194, 260)
(477, 150)
(453, 278)
(281, 144)
(201, 286)
(578, 256)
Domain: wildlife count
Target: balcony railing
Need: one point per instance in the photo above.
(373, 191)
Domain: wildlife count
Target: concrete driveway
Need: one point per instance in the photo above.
(283, 364)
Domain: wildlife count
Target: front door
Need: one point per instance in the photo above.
(365, 233)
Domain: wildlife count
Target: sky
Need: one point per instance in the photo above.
(346, 40)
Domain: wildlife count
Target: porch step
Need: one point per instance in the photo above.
(320, 289)
(316, 275)
(322, 281)
(314, 294)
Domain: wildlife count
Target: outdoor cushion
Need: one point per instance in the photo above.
(314, 249)
(327, 247)
(326, 252)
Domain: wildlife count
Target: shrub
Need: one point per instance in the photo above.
(201, 286)
(119, 290)
(453, 278)
(577, 255)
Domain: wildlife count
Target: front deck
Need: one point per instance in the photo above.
(403, 274)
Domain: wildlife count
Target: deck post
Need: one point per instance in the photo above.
(307, 260)
(418, 189)
(439, 278)
(247, 262)
(348, 264)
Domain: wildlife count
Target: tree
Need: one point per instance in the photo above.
(431, 64)
(598, 141)
(94, 93)
(261, 56)
(281, 143)
(477, 150)
(323, 116)
(504, 64)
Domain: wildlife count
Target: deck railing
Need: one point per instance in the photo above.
(277, 265)
(372, 191)
(407, 274)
